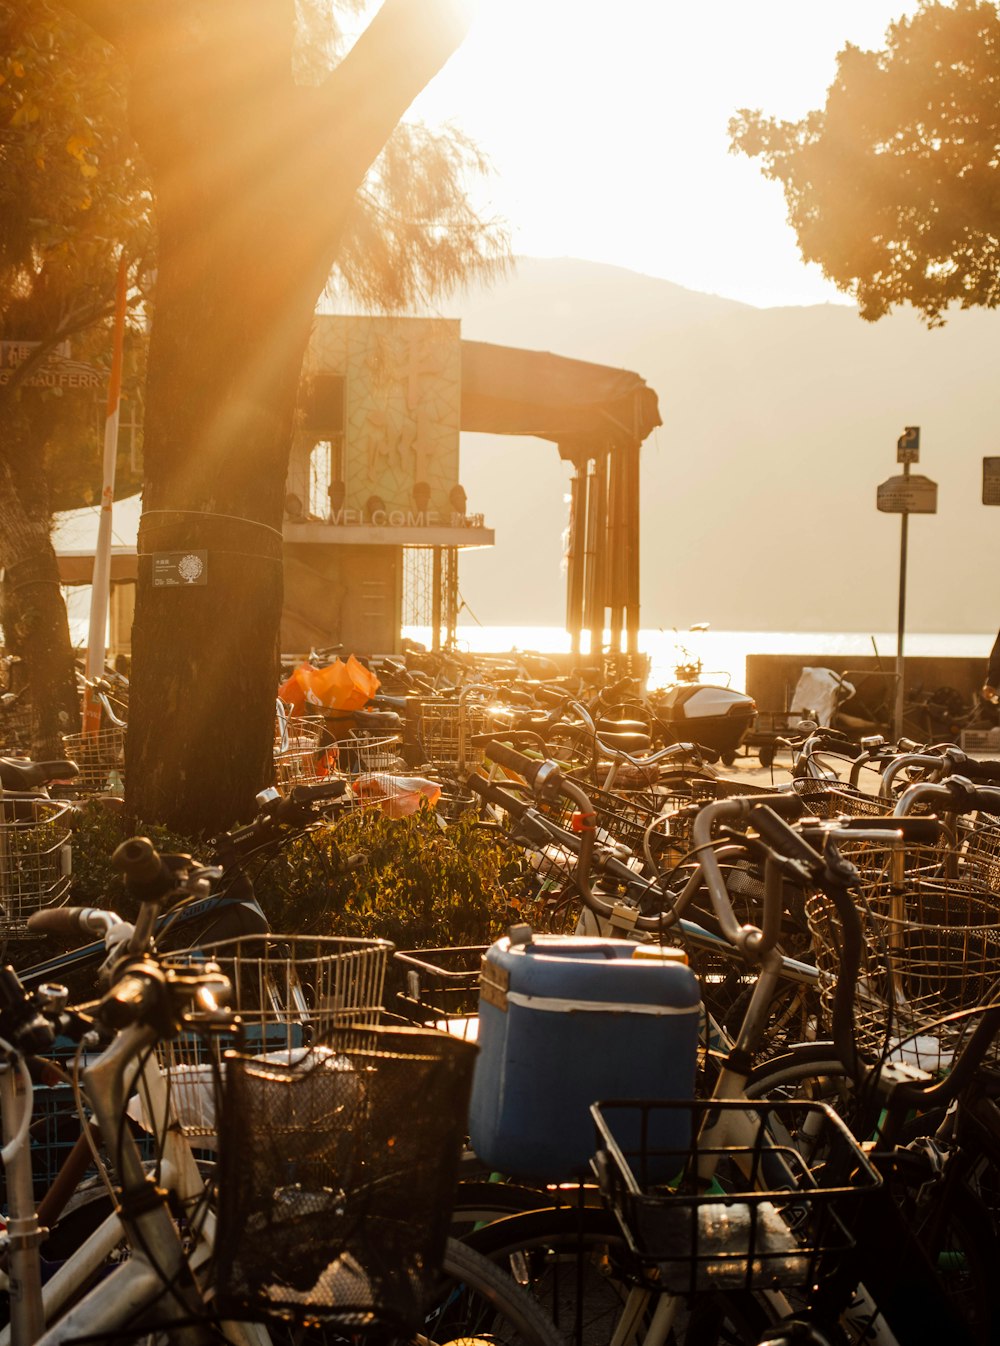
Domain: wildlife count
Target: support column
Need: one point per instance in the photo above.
(617, 547)
(436, 600)
(450, 596)
(630, 461)
(597, 532)
(576, 553)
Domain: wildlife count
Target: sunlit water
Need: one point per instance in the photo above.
(723, 654)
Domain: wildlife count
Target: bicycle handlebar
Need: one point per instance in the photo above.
(987, 773)
(64, 923)
(143, 868)
(529, 767)
(955, 794)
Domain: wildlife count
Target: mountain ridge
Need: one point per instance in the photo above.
(758, 491)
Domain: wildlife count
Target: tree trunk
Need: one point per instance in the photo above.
(222, 384)
(35, 626)
(253, 178)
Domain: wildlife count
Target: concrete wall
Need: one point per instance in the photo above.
(771, 678)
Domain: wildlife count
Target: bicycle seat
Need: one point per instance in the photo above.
(630, 741)
(18, 773)
(606, 726)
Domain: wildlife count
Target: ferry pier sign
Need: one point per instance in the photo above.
(907, 493)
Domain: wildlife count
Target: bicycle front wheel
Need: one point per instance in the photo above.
(575, 1263)
(473, 1301)
(478, 1301)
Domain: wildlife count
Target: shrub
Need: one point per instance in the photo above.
(97, 831)
(420, 885)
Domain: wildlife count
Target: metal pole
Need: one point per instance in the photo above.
(27, 1316)
(101, 579)
(897, 727)
(436, 571)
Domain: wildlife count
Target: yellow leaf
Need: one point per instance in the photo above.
(25, 114)
(17, 68)
(86, 202)
(88, 170)
(77, 146)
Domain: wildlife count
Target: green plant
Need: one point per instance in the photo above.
(97, 830)
(421, 885)
(410, 880)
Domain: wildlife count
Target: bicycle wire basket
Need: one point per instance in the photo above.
(298, 757)
(446, 728)
(372, 767)
(439, 988)
(931, 947)
(337, 1178)
(979, 839)
(714, 1194)
(836, 799)
(289, 992)
(101, 759)
(35, 859)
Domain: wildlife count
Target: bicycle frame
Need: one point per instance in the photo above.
(158, 1258)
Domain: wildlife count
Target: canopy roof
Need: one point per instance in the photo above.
(583, 407)
(74, 537)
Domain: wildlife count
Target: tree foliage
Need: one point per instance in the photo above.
(71, 194)
(894, 186)
(71, 200)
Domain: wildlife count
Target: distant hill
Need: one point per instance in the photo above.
(758, 492)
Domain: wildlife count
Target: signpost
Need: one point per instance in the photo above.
(991, 481)
(905, 494)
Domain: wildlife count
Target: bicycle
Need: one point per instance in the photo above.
(798, 857)
(163, 1282)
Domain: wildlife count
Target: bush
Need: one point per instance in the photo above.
(97, 831)
(420, 885)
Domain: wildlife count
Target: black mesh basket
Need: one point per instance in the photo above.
(439, 988)
(715, 1194)
(337, 1177)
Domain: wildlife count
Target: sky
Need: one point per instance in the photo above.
(605, 122)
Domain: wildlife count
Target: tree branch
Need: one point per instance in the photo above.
(397, 55)
(116, 22)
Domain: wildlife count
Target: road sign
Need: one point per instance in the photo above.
(908, 445)
(991, 481)
(907, 494)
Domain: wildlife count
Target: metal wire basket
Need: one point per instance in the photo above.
(337, 1177)
(712, 1195)
(931, 930)
(372, 766)
(35, 859)
(446, 728)
(439, 988)
(622, 821)
(298, 757)
(290, 992)
(101, 759)
(979, 840)
(836, 799)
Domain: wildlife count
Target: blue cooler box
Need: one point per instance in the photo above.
(566, 1021)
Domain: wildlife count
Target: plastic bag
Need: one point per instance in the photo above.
(818, 692)
(396, 796)
(338, 686)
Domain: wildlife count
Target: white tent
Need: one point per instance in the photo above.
(74, 537)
